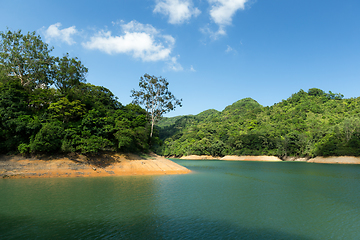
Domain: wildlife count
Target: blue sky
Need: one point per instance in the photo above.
(212, 52)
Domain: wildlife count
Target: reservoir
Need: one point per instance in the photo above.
(218, 200)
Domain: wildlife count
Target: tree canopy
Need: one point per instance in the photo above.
(46, 106)
(155, 96)
(26, 57)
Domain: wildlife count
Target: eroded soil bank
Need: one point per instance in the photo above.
(233, 158)
(84, 166)
(332, 160)
(340, 160)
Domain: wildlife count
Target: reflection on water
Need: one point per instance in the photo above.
(219, 200)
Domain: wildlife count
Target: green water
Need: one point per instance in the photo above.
(219, 200)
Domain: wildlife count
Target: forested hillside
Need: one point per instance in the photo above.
(46, 106)
(307, 124)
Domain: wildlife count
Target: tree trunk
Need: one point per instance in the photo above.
(152, 128)
(152, 125)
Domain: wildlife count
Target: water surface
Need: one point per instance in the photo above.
(218, 200)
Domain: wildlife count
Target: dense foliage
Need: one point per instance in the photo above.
(307, 124)
(46, 106)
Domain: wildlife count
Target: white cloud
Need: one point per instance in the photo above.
(192, 69)
(222, 12)
(178, 11)
(174, 65)
(141, 41)
(64, 35)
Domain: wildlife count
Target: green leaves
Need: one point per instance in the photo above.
(65, 110)
(46, 106)
(26, 57)
(155, 97)
(48, 139)
(68, 73)
(94, 144)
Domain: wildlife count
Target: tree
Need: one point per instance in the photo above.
(25, 57)
(96, 97)
(65, 110)
(13, 108)
(68, 73)
(155, 97)
(315, 92)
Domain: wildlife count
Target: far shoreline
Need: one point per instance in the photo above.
(126, 164)
(264, 158)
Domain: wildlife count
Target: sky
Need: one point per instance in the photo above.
(212, 52)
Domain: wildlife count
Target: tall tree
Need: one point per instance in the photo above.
(155, 96)
(25, 57)
(68, 73)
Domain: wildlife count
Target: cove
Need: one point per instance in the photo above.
(218, 200)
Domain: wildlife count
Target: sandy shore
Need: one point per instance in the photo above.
(123, 164)
(233, 158)
(82, 166)
(333, 160)
(339, 160)
(199, 157)
(252, 158)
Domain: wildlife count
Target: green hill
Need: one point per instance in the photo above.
(307, 124)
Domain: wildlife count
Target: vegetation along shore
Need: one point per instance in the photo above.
(330, 159)
(48, 109)
(308, 124)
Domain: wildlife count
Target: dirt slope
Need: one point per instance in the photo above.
(82, 166)
(233, 158)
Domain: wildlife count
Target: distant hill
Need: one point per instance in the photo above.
(210, 113)
(241, 106)
(307, 124)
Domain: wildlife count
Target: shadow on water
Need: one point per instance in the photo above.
(144, 227)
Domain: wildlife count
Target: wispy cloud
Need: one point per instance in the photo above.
(178, 11)
(230, 49)
(222, 12)
(192, 69)
(174, 65)
(64, 35)
(141, 41)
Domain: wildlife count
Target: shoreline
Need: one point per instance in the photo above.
(233, 158)
(81, 166)
(329, 160)
(115, 164)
